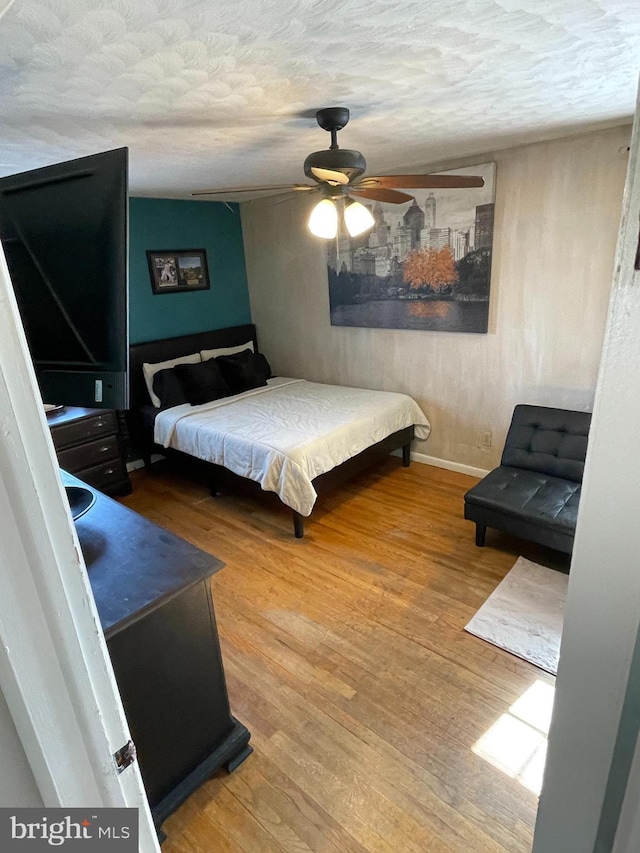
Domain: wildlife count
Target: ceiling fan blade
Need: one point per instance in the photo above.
(429, 182)
(227, 190)
(330, 176)
(381, 194)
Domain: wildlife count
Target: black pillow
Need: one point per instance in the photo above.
(168, 388)
(244, 370)
(202, 382)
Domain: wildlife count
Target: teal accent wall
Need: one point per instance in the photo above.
(156, 223)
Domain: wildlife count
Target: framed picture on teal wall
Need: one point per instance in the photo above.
(178, 271)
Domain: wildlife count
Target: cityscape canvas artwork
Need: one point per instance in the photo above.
(424, 265)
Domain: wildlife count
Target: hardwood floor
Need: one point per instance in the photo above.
(346, 658)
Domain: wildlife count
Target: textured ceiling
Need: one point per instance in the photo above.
(210, 92)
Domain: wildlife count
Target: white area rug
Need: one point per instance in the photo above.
(524, 614)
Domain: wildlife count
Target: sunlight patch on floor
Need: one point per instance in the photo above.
(517, 742)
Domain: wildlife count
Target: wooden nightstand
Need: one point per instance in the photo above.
(87, 443)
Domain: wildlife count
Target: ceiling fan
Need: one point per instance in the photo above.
(339, 176)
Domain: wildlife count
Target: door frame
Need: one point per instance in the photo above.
(590, 780)
(55, 671)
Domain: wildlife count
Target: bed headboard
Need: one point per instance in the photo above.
(155, 351)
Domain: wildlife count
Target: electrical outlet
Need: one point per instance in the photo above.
(484, 438)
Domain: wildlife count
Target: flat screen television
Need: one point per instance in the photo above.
(64, 230)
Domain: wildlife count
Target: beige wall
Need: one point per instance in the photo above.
(557, 214)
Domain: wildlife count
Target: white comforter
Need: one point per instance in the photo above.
(285, 434)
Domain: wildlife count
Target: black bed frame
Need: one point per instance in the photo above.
(142, 438)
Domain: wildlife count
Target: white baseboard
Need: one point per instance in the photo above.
(138, 463)
(450, 466)
(445, 463)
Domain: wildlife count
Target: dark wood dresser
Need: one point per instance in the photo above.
(152, 591)
(87, 443)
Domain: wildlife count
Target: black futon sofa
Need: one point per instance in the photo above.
(535, 492)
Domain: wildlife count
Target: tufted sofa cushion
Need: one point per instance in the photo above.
(549, 441)
(548, 501)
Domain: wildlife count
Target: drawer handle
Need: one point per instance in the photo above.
(105, 448)
(110, 471)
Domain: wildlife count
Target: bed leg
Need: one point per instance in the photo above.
(406, 455)
(298, 524)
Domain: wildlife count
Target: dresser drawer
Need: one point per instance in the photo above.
(84, 429)
(87, 443)
(89, 454)
(107, 476)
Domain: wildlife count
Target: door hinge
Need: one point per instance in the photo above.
(125, 756)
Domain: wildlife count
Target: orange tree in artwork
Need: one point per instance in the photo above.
(433, 268)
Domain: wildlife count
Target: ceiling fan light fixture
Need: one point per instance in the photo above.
(357, 218)
(323, 221)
